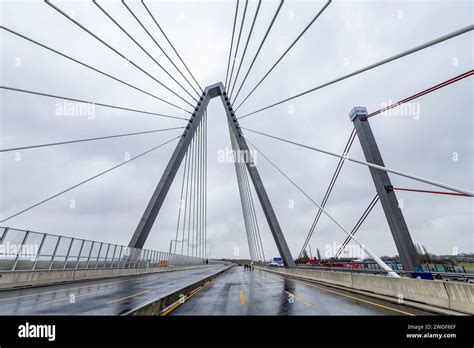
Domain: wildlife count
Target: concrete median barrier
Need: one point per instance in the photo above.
(157, 306)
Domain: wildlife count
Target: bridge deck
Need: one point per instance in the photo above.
(99, 297)
(240, 292)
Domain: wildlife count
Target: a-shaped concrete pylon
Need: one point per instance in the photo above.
(151, 212)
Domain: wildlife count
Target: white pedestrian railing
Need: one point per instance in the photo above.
(22, 250)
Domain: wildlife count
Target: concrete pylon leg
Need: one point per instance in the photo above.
(151, 212)
(406, 249)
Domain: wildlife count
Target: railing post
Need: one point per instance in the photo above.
(39, 251)
(128, 257)
(120, 256)
(147, 258)
(79, 254)
(113, 256)
(406, 249)
(106, 255)
(90, 253)
(20, 249)
(98, 254)
(68, 251)
(137, 257)
(54, 252)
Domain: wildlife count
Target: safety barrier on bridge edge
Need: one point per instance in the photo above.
(444, 297)
(30, 258)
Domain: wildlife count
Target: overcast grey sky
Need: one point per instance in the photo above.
(348, 35)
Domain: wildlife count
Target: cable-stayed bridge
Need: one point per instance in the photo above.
(42, 272)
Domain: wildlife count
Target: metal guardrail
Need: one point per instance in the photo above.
(22, 250)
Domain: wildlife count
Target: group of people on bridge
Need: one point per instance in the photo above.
(248, 267)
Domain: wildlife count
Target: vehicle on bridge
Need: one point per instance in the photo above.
(276, 262)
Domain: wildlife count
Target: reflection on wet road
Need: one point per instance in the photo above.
(99, 297)
(240, 292)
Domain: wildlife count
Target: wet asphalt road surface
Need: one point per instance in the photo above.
(241, 292)
(98, 297)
